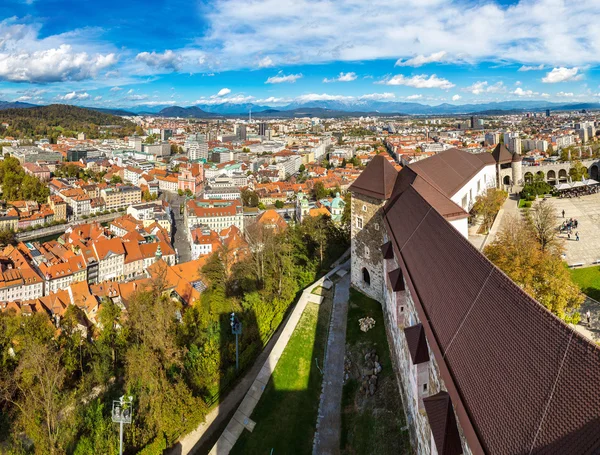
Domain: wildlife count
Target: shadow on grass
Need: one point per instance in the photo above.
(286, 414)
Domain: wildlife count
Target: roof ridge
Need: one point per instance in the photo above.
(551, 393)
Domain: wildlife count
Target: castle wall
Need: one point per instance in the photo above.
(415, 382)
(366, 240)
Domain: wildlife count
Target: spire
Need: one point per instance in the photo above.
(158, 253)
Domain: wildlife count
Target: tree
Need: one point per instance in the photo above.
(278, 204)
(319, 191)
(116, 178)
(488, 204)
(578, 171)
(543, 222)
(541, 274)
(150, 139)
(37, 390)
(249, 198)
(261, 206)
(347, 213)
(302, 168)
(7, 237)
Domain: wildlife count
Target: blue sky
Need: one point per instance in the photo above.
(274, 52)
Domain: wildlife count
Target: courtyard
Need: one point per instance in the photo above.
(586, 210)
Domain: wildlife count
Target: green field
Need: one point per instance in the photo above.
(286, 414)
(588, 279)
(371, 424)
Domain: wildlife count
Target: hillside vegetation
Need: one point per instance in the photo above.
(56, 119)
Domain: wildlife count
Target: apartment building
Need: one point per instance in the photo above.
(121, 196)
(216, 214)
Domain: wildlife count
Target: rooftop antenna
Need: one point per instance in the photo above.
(250, 116)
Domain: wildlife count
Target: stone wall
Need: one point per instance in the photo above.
(366, 244)
(399, 312)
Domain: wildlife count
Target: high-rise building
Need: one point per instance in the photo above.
(547, 112)
(196, 147)
(242, 134)
(165, 134)
(262, 129)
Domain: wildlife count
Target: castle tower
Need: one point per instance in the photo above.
(517, 168)
(370, 191)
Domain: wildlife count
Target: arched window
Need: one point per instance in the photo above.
(366, 276)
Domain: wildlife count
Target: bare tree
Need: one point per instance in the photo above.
(543, 222)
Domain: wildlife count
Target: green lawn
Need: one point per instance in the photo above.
(588, 279)
(286, 414)
(371, 424)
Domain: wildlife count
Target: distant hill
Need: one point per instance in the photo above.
(120, 112)
(56, 119)
(15, 105)
(185, 112)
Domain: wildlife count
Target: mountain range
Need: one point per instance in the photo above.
(332, 108)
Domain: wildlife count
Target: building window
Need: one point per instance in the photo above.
(366, 276)
(367, 252)
(376, 226)
(359, 222)
(364, 208)
(424, 387)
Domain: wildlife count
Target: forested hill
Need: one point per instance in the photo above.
(56, 119)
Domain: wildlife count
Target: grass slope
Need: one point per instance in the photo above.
(287, 411)
(371, 424)
(588, 279)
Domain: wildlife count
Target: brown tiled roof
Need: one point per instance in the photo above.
(377, 180)
(451, 169)
(501, 154)
(432, 194)
(396, 280)
(417, 344)
(520, 379)
(443, 424)
(387, 250)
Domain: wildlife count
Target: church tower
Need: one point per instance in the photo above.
(370, 191)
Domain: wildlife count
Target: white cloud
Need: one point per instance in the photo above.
(136, 97)
(74, 96)
(421, 60)
(456, 97)
(159, 103)
(562, 74)
(116, 89)
(480, 87)
(223, 92)
(545, 95)
(518, 83)
(265, 62)
(419, 81)
(273, 100)
(23, 98)
(24, 57)
(97, 98)
(532, 68)
(237, 99)
(414, 97)
(524, 93)
(168, 60)
(565, 94)
(531, 34)
(378, 96)
(281, 78)
(343, 77)
(322, 97)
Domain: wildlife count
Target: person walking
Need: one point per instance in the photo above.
(588, 315)
(577, 236)
(563, 213)
(569, 235)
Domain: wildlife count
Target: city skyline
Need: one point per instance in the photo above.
(275, 54)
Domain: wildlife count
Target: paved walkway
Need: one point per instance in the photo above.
(591, 331)
(586, 210)
(327, 436)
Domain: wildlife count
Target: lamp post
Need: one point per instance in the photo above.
(236, 329)
(122, 411)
